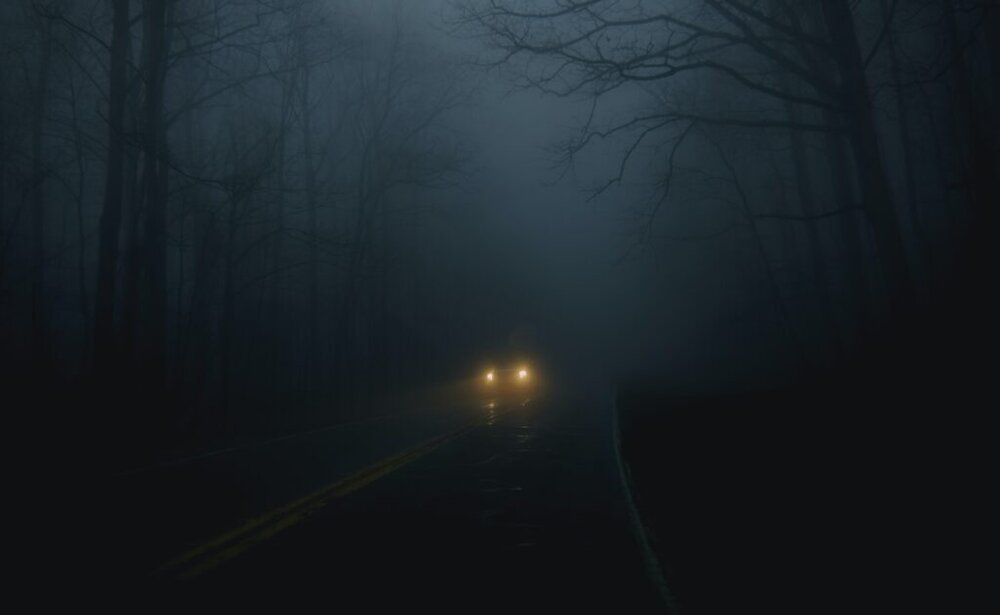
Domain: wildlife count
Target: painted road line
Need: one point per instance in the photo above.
(651, 564)
(232, 544)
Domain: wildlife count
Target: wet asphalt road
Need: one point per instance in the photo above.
(520, 510)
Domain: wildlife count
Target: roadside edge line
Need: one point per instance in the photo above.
(654, 571)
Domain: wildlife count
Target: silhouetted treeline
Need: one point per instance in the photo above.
(847, 149)
(225, 212)
(210, 208)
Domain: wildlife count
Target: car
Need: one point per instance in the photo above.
(512, 382)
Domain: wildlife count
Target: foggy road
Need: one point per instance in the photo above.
(262, 260)
(474, 507)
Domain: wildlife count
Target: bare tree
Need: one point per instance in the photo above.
(596, 48)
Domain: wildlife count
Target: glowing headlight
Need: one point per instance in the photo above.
(489, 376)
(522, 374)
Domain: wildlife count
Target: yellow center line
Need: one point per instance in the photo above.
(232, 544)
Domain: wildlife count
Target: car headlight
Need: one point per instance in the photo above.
(522, 374)
(490, 377)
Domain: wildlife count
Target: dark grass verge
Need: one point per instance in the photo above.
(817, 499)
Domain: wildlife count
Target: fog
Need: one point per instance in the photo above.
(224, 221)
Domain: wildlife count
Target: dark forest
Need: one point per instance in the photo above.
(630, 279)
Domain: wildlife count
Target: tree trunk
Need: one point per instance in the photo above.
(155, 189)
(979, 164)
(39, 309)
(198, 340)
(312, 357)
(806, 195)
(132, 261)
(855, 260)
(228, 312)
(906, 142)
(277, 316)
(774, 289)
(81, 232)
(111, 213)
(877, 197)
(3, 192)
